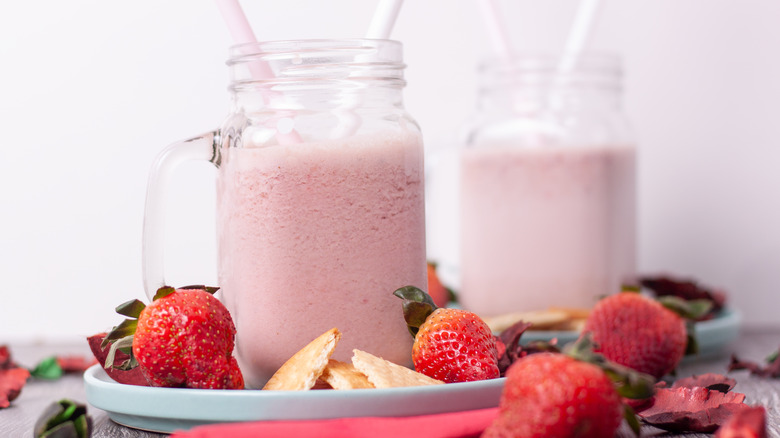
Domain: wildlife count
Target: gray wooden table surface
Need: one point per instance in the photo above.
(18, 420)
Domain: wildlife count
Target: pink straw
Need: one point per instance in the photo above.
(382, 23)
(581, 31)
(242, 33)
(496, 29)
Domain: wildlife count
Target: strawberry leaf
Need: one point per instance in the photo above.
(631, 419)
(131, 308)
(210, 289)
(128, 364)
(412, 293)
(163, 292)
(417, 306)
(633, 288)
(121, 344)
(125, 328)
(692, 346)
(48, 369)
(689, 309)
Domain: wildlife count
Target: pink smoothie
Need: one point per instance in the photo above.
(545, 227)
(318, 235)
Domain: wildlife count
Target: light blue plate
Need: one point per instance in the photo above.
(169, 409)
(712, 335)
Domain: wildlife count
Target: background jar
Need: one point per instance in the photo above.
(547, 187)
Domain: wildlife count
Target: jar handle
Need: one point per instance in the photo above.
(203, 147)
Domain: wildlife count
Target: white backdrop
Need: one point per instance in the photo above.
(91, 90)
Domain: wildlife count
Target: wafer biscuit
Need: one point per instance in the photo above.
(540, 319)
(340, 375)
(301, 371)
(385, 374)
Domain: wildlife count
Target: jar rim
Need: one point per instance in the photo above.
(316, 63)
(589, 70)
(607, 62)
(239, 52)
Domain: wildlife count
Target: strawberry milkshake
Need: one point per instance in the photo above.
(545, 226)
(320, 209)
(318, 235)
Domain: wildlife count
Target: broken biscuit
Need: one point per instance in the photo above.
(340, 375)
(301, 371)
(539, 320)
(384, 374)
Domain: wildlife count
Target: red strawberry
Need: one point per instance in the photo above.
(437, 291)
(552, 395)
(638, 332)
(184, 338)
(451, 345)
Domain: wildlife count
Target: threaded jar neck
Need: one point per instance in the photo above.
(316, 64)
(536, 82)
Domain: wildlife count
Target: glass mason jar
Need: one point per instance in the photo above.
(547, 187)
(320, 206)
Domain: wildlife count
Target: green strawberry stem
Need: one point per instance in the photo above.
(688, 309)
(132, 308)
(417, 306)
(124, 345)
(163, 292)
(633, 421)
(210, 289)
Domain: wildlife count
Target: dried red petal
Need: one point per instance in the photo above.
(716, 382)
(770, 370)
(510, 339)
(75, 364)
(692, 409)
(510, 350)
(12, 381)
(131, 377)
(747, 423)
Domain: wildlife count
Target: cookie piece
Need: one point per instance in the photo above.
(340, 375)
(539, 319)
(385, 374)
(301, 371)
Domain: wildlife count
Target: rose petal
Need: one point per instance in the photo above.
(691, 409)
(12, 381)
(717, 382)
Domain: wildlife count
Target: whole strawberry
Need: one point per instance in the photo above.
(638, 332)
(549, 395)
(184, 338)
(451, 345)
